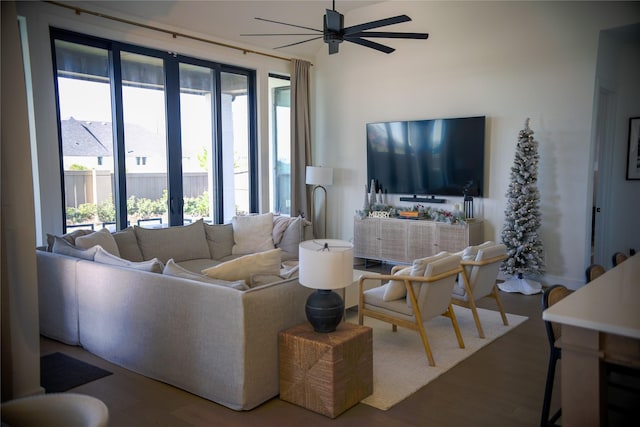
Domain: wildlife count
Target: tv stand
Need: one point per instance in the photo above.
(416, 199)
(402, 241)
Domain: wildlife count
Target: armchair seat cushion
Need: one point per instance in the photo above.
(374, 299)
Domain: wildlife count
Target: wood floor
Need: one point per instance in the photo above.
(500, 385)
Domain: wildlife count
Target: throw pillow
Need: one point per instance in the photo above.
(179, 242)
(63, 247)
(128, 244)
(153, 265)
(69, 237)
(419, 265)
(220, 239)
(173, 269)
(102, 238)
(395, 289)
(243, 268)
(252, 233)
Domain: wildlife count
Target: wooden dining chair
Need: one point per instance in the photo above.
(550, 296)
(617, 258)
(594, 271)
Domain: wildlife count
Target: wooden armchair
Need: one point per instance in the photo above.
(427, 290)
(477, 280)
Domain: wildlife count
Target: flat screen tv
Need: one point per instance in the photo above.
(427, 157)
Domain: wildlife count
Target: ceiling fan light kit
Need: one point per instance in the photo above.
(333, 32)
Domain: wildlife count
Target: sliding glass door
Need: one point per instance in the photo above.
(152, 138)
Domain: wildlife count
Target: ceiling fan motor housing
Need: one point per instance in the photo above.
(333, 25)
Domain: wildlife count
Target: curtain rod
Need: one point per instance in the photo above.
(174, 34)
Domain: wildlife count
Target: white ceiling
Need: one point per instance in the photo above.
(227, 20)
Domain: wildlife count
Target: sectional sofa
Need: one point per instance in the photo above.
(149, 308)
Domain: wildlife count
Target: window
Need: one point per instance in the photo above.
(280, 143)
(151, 137)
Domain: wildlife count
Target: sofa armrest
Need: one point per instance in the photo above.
(57, 297)
(210, 340)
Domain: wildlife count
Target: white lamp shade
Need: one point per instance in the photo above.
(326, 268)
(317, 175)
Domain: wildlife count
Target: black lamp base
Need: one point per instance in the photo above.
(324, 309)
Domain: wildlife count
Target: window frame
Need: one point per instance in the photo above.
(171, 63)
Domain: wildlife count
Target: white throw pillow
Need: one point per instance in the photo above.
(419, 265)
(395, 289)
(102, 238)
(153, 265)
(63, 247)
(252, 233)
(173, 269)
(243, 268)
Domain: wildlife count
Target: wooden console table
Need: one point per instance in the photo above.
(326, 373)
(403, 240)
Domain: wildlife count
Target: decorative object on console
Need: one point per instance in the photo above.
(319, 176)
(468, 201)
(325, 265)
(372, 193)
(520, 232)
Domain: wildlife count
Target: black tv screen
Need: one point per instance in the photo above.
(427, 157)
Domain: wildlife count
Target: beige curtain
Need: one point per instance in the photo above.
(300, 136)
(20, 332)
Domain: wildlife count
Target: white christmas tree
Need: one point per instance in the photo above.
(520, 230)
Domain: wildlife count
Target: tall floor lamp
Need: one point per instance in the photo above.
(319, 176)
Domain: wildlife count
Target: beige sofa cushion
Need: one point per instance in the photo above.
(287, 235)
(103, 257)
(220, 239)
(63, 247)
(69, 237)
(180, 242)
(128, 244)
(173, 269)
(252, 233)
(102, 238)
(243, 268)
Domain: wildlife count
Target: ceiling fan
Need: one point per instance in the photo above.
(334, 32)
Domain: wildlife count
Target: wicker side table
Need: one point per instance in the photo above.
(326, 373)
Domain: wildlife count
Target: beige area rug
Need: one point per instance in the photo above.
(400, 365)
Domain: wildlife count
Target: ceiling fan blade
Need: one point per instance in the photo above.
(376, 24)
(293, 44)
(290, 25)
(279, 34)
(334, 20)
(388, 35)
(372, 45)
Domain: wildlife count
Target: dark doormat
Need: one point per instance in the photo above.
(59, 372)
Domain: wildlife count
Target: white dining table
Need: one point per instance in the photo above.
(600, 324)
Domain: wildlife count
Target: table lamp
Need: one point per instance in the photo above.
(319, 176)
(325, 265)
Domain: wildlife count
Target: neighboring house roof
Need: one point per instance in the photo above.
(95, 139)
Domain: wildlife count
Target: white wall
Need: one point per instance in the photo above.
(505, 60)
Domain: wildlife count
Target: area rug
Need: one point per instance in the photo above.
(400, 365)
(59, 372)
